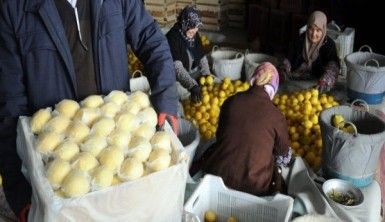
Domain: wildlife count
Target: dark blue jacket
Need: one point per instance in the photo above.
(36, 68)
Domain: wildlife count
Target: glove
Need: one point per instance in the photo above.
(264, 78)
(171, 119)
(196, 95)
(23, 214)
(322, 86)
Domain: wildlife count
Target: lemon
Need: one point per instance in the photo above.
(224, 86)
(300, 152)
(323, 99)
(232, 219)
(337, 119)
(198, 115)
(210, 216)
(295, 145)
(328, 105)
(209, 80)
(206, 99)
(317, 162)
(310, 157)
(222, 94)
(202, 80)
(238, 83)
(295, 137)
(314, 100)
(307, 95)
(227, 80)
(315, 93)
(314, 119)
(300, 98)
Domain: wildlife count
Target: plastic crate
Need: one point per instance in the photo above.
(212, 194)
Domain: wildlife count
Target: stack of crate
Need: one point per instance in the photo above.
(214, 14)
(163, 11)
(236, 13)
(180, 4)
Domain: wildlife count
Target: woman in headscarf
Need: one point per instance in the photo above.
(314, 56)
(186, 48)
(252, 139)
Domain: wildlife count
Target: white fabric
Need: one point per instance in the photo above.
(156, 197)
(73, 3)
(311, 200)
(269, 90)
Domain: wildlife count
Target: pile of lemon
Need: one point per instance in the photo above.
(205, 40)
(301, 110)
(134, 63)
(205, 114)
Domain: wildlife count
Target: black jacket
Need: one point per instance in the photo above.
(179, 47)
(327, 53)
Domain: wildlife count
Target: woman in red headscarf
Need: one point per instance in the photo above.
(314, 56)
(252, 138)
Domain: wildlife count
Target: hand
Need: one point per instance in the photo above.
(264, 78)
(322, 86)
(23, 214)
(171, 119)
(196, 95)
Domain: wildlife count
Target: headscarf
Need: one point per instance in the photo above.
(266, 75)
(311, 51)
(189, 18)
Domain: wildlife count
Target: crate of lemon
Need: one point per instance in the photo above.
(214, 93)
(301, 110)
(103, 151)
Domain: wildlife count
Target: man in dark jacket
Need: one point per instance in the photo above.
(56, 49)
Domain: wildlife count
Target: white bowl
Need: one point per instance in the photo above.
(339, 186)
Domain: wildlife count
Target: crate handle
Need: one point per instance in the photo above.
(215, 48)
(373, 60)
(335, 26)
(195, 217)
(365, 46)
(135, 72)
(352, 125)
(238, 55)
(361, 103)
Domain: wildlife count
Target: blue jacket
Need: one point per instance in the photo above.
(36, 68)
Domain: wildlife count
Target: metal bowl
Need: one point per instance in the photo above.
(344, 191)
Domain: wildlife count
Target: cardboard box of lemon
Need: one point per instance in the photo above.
(102, 160)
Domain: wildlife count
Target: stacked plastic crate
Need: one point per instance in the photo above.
(236, 13)
(180, 4)
(214, 14)
(163, 11)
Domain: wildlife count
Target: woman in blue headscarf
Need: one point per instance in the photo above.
(186, 48)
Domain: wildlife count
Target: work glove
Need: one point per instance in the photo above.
(196, 95)
(322, 86)
(23, 214)
(172, 120)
